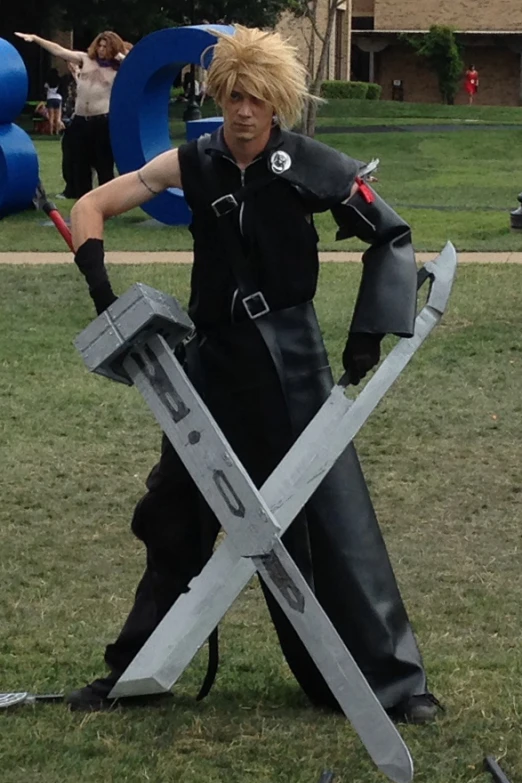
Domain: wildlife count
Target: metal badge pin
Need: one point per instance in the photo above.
(280, 161)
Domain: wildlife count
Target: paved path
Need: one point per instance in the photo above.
(143, 257)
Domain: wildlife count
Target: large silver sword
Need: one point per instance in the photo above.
(246, 514)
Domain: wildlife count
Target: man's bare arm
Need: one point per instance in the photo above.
(54, 48)
(122, 194)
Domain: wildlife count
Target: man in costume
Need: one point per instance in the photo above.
(259, 361)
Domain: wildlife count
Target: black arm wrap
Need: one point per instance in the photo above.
(387, 298)
(89, 259)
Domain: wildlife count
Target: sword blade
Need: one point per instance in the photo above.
(193, 617)
(329, 653)
(306, 467)
(332, 429)
(11, 699)
(339, 419)
(201, 446)
(23, 697)
(187, 625)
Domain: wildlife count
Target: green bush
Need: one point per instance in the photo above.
(441, 49)
(336, 88)
(373, 92)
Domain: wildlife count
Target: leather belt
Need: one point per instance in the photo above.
(90, 117)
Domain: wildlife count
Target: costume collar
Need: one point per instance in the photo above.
(217, 143)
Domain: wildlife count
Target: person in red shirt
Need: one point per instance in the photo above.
(472, 82)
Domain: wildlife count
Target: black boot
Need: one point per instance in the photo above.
(92, 697)
(95, 697)
(418, 709)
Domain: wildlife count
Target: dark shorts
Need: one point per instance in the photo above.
(53, 103)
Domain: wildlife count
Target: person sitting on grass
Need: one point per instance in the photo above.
(41, 118)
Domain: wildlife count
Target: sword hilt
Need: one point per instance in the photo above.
(32, 698)
(441, 273)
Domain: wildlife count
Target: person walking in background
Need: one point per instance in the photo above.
(471, 83)
(90, 144)
(53, 102)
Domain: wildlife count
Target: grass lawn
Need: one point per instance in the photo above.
(447, 184)
(442, 457)
(420, 112)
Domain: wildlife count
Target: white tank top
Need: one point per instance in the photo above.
(52, 93)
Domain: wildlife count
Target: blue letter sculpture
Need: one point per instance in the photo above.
(139, 119)
(18, 158)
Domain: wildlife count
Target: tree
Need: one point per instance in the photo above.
(318, 46)
(133, 19)
(440, 48)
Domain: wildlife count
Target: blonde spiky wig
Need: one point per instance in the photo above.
(262, 64)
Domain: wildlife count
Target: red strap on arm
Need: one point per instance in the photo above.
(365, 191)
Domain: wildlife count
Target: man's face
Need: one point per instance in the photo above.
(246, 117)
(101, 50)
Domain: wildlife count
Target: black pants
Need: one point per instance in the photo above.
(335, 540)
(88, 148)
(71, 190)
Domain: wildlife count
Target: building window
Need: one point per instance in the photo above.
(363, 22)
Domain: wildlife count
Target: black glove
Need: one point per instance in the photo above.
(362, 352)
(89, 259)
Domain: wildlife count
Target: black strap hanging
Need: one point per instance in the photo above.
(253, 300)
(224, 207)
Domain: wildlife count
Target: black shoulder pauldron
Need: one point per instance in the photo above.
(322, 174)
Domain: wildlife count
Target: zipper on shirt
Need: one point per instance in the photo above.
(236, 292)
(242, 203)
(242, 174)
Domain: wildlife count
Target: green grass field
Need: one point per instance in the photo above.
(457, 185)
(442, 457)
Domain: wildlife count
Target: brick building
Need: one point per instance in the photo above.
(366, 45)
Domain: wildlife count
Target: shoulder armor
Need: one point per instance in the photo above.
(321, 173)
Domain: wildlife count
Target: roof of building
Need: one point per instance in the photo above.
(423, 32)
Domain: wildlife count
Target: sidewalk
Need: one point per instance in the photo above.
(143, 257)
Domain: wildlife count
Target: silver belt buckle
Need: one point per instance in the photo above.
(190, 336)
(256, 305)
(224, 205)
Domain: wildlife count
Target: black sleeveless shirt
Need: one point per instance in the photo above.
(276, 229)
